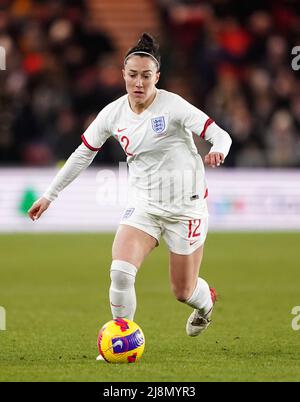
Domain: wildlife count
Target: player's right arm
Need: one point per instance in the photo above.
(92, 140)
(77, 162)
(38, 207)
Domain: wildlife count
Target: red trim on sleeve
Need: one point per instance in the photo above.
(208, 122)
(88, 145)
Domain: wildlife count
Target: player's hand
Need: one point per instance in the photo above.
(214, 159)
(38, 207)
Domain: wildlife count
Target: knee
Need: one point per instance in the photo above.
(182, 294)
(122, 274)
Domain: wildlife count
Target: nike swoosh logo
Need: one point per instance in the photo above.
(193, 242)
(116, 305)
(117, 343)
(121, 129)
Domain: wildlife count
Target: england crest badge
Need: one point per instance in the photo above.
(158, 124)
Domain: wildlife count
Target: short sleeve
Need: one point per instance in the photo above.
(97, 132)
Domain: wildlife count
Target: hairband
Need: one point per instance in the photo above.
(141, 52)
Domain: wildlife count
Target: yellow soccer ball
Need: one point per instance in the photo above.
(121, 341)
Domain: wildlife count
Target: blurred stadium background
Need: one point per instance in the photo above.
(232, 59)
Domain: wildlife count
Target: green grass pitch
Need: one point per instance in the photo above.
(55, 292)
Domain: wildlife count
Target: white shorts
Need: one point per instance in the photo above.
(182, 236)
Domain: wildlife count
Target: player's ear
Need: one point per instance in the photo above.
(123, 72)
(157, 77)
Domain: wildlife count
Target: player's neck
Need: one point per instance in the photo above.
(139, 108)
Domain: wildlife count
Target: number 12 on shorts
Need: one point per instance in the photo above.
(194, 225)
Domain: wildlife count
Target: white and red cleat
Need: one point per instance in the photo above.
(198, 323)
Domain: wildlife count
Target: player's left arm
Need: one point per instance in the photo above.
(221, 143)
(199, 123)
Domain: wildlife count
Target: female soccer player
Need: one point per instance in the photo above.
(167, 190)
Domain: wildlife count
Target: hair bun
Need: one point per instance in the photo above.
(147, 45)
(146, 40)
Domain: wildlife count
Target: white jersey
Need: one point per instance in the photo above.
(166, 173)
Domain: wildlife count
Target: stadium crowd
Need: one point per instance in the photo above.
(230, 58)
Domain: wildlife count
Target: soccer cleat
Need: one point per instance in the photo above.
(198, 323)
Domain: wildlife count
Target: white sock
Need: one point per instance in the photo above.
(201, 298)
(122, 292)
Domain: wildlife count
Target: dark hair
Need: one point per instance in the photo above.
(146, 44)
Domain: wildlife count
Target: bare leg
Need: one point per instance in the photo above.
(132, 245)
(184, 272)
(192, 290)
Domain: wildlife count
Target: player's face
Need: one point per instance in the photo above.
(140, 75)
